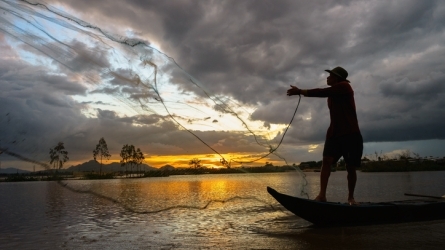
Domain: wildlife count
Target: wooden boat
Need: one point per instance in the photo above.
(332, 213)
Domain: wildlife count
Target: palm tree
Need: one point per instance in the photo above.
(195, 163)
(102, 150)
(131, 156)
(58, 156)
(225, 163)
(126, 154)
(138, 158)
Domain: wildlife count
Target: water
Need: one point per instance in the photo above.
(204, 212)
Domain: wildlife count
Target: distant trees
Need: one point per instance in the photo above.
(310, 164)
(268, 164)
(405, 155)
(225, 163)
(138, 158)
(102, 150)
(131, 157)
(126, 156)
(58, 156)
(195, 163)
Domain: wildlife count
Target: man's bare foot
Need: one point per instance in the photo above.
(352, 202)
(319, 198)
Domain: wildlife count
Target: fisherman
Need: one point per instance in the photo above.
(343, 137)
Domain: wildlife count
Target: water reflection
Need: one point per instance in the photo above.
(172, 213)
(55, 201)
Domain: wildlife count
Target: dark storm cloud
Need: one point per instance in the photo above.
(38, 102)
(137, 119)
(87, 58)
(36, 116)
(252, 49)
(20, 77)
(105, 90)
(97, 102)
(107, 114)
(122, 77)
(38, 111)
(425, 89)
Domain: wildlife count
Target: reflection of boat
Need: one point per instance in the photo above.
(331, 213)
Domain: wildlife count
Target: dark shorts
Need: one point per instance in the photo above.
(348, 146)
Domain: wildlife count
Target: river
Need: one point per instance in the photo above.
(231, 211)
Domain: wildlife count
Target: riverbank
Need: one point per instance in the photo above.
(401, 166)
(371, 166)
(46, 176)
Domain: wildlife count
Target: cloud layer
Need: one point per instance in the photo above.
(251, 51)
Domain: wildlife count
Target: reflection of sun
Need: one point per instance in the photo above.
(218, 186)
(216, 189)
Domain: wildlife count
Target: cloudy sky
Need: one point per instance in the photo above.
(248, 51)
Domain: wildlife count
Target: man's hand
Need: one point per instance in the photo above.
(293, 91)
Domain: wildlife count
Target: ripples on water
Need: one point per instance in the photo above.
(206, 211)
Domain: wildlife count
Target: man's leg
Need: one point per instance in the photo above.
(353, 157)
(352, 180)
(324, 177)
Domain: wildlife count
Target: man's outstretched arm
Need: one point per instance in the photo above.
(338, 89)
(296, 91)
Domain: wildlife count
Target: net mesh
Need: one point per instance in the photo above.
(119, 77)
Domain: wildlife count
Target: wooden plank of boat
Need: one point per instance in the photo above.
(332, 213)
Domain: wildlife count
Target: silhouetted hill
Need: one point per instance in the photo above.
(167, 167)
(112, 167)
(13, 171)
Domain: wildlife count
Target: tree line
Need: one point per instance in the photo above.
(130, 156)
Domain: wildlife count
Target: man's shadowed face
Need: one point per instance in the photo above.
(332, 79)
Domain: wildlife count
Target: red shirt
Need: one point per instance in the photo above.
(341, 108)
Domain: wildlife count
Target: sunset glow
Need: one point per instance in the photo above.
(207, 160)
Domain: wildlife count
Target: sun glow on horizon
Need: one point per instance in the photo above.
(207, 160)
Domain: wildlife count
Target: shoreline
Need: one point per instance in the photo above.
(26, 177)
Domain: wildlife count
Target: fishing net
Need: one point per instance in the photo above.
(108, 85)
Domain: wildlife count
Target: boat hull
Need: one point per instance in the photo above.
(331, 213)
